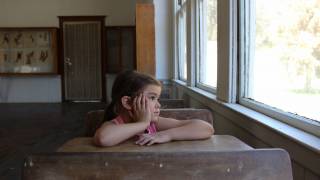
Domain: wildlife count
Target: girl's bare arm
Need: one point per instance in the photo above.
(110, 134)
(172, 129)
(185, 129)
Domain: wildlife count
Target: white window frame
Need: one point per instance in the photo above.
(227, 77)
(200, 20)
(246, 43)
(180, 38)
(227, 49)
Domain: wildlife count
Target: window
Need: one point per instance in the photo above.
(207, 37)
(281, 61)
(181, 39)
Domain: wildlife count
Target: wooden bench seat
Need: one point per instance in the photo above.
(262, 164)
(172, 103)
(94, 119)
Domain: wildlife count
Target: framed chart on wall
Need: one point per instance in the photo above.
(28, 51)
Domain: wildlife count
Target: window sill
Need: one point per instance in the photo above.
(307, 140)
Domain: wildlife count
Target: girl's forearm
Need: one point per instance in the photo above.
(195, 129)
(114, 134)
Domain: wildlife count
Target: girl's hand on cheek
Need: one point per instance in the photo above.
(141, 110)
(149, 139)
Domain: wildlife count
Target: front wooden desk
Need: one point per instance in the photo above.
(215, 143)
(219, 157)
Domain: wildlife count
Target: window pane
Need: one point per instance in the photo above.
(285, 66)
(208, 43)
(182, 42)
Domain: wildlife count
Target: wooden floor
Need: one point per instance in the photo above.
(32, 128)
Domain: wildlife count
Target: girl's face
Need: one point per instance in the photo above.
(152, 92)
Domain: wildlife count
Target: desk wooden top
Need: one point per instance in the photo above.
(215, 143)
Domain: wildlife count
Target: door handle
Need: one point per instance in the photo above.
(68, 61)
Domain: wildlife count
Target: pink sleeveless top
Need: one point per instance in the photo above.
(151, 129)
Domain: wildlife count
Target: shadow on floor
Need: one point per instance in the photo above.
(27, 128)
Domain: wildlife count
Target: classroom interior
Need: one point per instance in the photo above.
(44, 106)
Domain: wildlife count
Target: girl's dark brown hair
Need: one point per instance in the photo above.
(127, 83)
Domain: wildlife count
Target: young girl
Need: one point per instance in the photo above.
(134, 112)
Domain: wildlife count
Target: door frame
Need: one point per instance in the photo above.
(61, 63)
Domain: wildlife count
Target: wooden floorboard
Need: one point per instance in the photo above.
(27, 128)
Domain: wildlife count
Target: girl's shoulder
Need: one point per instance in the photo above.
(115, 121)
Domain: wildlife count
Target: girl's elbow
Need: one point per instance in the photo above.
(209, 130)
(101, 140)
(205, 129)
(98, 139)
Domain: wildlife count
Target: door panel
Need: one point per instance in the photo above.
(82, 60)
(120, 48)
(128, 48)
(113, 50)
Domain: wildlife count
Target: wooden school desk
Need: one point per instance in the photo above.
(219, 157)
(215, 143)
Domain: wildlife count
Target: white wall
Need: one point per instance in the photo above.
(30, 89)
(33, 13)
(44, 13)
(164, 35)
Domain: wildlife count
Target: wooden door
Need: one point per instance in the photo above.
(82, 55)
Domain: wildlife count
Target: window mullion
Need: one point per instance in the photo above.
(198, 30)
(227, 50)
(175, 40)
(191, 42)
